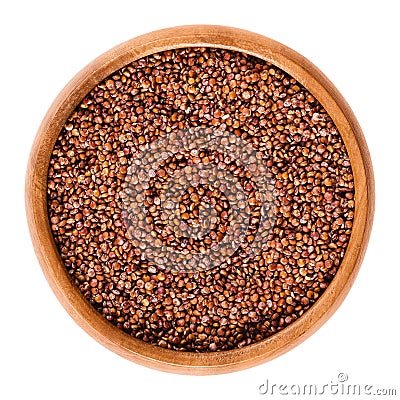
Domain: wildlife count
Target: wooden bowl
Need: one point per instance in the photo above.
(68, 293)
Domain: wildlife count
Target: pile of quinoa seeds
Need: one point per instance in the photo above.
(251, 291)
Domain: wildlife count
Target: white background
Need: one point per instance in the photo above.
(44, 354)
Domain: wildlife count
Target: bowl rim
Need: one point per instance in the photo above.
(56, 274)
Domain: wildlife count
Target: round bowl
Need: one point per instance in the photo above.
(68, 293)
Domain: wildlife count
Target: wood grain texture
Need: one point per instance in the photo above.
(70, 296)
